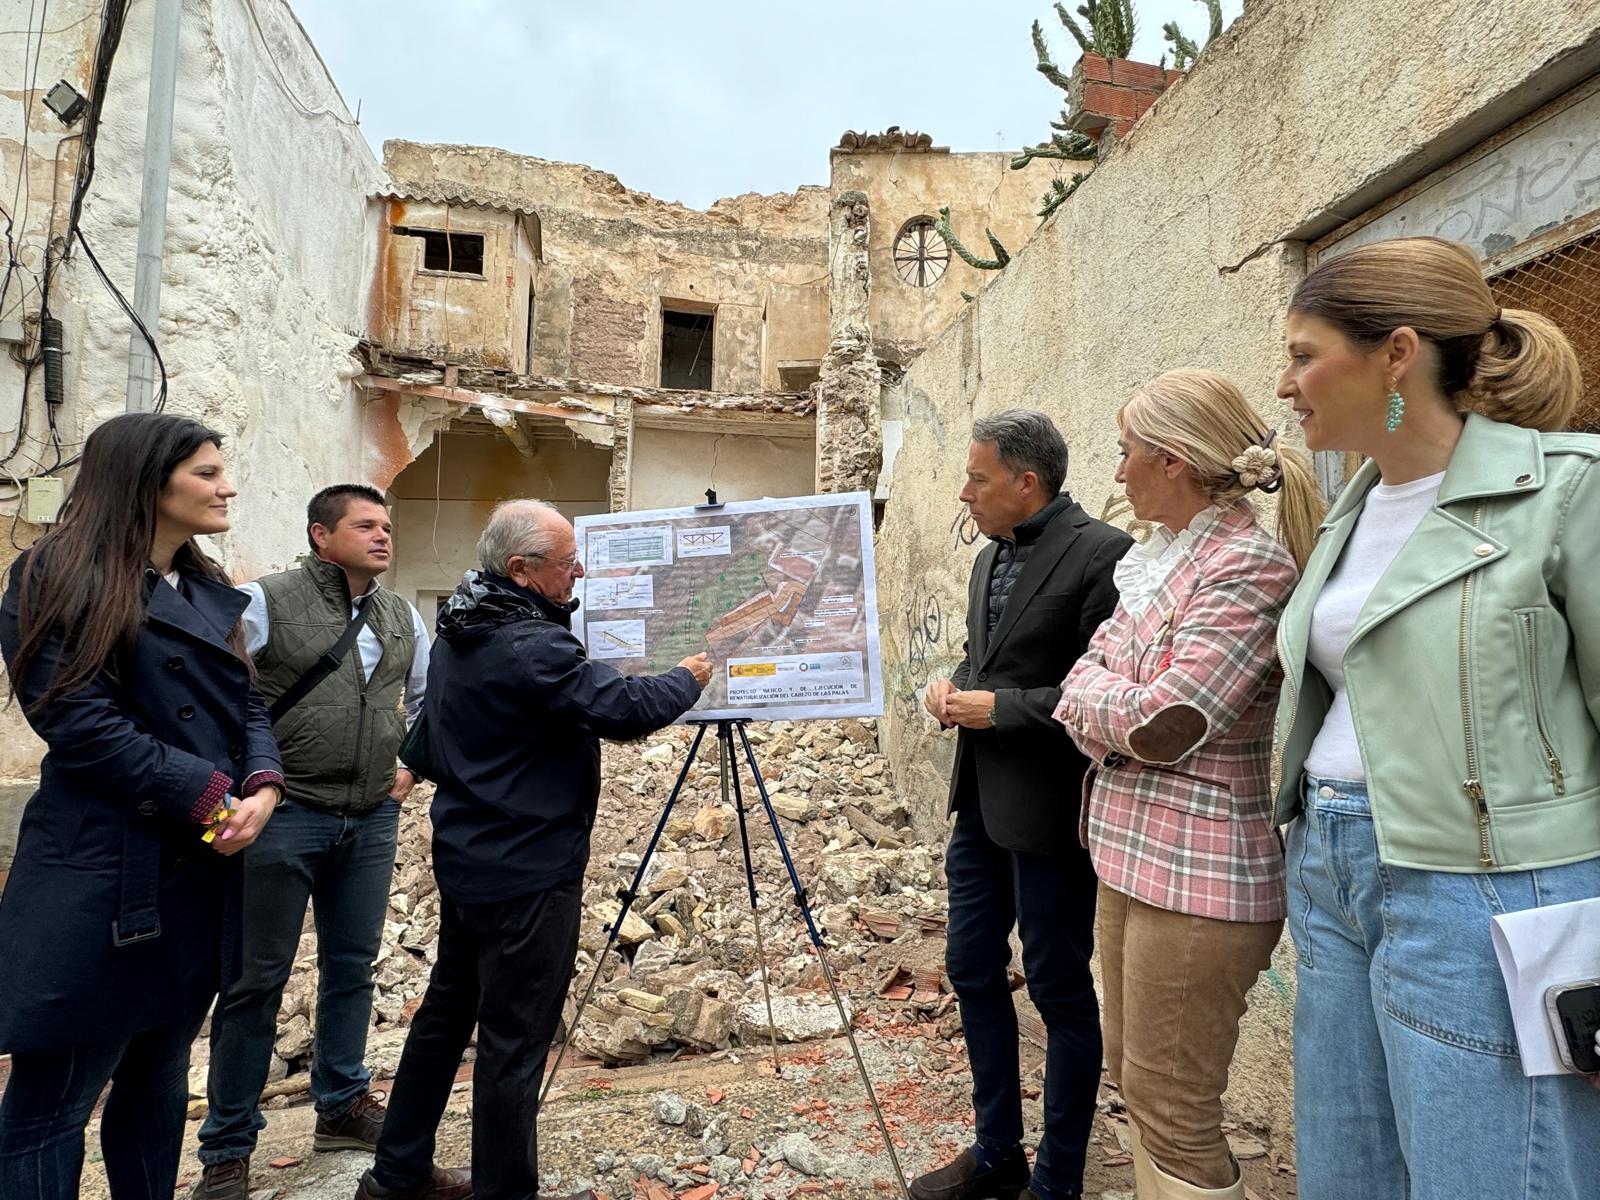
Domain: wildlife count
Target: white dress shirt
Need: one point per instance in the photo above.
(367, 642)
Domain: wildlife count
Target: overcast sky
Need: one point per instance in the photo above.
(691, 101)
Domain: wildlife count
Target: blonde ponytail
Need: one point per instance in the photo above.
(1203, 419)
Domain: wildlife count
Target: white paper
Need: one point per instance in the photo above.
(766, 586)
(616, 639)
(705, 541)
(625, 591)
(796, 679)
(1538, 949)
(640, 546)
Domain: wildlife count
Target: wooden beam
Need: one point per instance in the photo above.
(510, 424)
(573, 411)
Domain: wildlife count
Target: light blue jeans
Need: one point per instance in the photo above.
(1407, 1080)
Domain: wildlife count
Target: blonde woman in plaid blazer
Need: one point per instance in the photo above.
(1173, 702)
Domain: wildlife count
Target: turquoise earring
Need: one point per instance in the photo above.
(1397, 410)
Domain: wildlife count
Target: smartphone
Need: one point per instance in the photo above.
(1574, 1013)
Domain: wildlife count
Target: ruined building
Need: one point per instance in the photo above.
(461, 324)
(569, 338)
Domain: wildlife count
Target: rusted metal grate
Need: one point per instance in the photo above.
(1564, 285)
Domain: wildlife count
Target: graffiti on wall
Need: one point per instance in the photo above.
(1118, 511)
(963, 529)
(928, 641)
(924, 632)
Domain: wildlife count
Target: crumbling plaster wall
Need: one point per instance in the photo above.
(263, 280)
(612, 255)
(796, 330)
(444, 498)
(1182, 250)
(981, 190)
(672, 467)
(477, 320)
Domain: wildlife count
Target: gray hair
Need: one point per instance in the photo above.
(1026, 440)
(516, 527)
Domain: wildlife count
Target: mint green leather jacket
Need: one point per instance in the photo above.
(1474, 668)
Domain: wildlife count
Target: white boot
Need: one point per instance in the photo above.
(1145, 1186)
(1168, 1187)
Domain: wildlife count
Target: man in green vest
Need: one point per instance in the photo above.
(333, 837)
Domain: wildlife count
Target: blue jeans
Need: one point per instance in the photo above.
(52, 1093)
(1050, 899)
(343, 865)
(1407, 1080)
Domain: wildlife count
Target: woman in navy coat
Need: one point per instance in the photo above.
(122, 642)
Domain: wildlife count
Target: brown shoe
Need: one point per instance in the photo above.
(357, 1129)
(224, 1181)
(442, 1183)
(960, 1179)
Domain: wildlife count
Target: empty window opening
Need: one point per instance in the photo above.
(686, 339)
(458, 253)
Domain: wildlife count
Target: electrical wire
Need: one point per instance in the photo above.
(113, 14)
(122, 303)
(83, 20)
(24, 184)
(27, 94)
(283, 82)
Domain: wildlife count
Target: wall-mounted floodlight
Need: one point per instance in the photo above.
(66, 101)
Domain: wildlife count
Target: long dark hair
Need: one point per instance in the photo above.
(86, 576)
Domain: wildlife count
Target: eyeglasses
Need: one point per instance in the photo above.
(566, 564)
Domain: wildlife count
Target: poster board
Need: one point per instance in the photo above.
(781, 593)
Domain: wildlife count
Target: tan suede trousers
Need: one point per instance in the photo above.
(1175, 989)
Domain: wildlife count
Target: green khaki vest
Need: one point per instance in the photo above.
(339, 743)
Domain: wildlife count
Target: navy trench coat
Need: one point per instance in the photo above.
(113, 919)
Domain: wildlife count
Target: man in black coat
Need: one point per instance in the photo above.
(1039, 590)
(515, 710)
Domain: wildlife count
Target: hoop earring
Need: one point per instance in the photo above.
(1397, 409)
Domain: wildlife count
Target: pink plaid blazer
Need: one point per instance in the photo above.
(1175, 709)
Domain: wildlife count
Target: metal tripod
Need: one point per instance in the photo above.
(726, 731)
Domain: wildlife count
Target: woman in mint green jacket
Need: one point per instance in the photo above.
(1436, 739)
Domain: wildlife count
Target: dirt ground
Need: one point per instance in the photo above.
(604, 1128)
(680, 1118)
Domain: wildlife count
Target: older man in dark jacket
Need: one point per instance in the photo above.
(515, 710)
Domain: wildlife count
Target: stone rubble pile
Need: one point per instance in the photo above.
(685, 973)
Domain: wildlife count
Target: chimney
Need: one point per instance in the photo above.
(1113, 93)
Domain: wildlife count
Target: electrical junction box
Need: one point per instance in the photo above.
(45, 494)
(12, 331)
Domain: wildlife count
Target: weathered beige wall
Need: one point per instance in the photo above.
(673, 467)
(612, 255)
(979, 189)
(443, 500)
(472, 320)
(264, 280)
(796, 329)
(1182, 250)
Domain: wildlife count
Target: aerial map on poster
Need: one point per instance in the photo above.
(780, 593)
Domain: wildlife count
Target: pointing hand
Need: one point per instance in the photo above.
(698, 665)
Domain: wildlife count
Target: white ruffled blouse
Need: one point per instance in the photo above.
(1140, 572)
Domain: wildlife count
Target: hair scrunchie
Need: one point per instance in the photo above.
(1257, 467)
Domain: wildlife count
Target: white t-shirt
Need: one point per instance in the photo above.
(1389, 517)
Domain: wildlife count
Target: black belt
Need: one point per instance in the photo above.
(138, 919)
